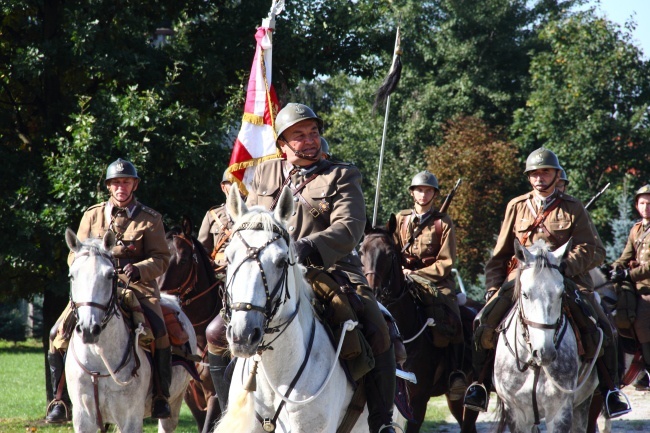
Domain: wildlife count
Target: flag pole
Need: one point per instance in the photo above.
(388, 86)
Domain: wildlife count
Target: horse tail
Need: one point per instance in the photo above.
(501, 416)
(239, 416)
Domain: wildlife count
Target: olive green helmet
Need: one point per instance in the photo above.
(542, 158)
(225, 177)
(120, 168)
(293, 113)
(563, 176)
(324, 146)
(424, 178)
(645, 189)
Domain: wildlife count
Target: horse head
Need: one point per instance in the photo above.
(538, 291)
(259, 283)
(182, 271)
(93, 284)
(381, 262)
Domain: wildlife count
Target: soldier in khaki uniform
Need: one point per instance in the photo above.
(631, 274)
(215, 228)
(545, 213)
(141, 252)
(327, 224)
(428, 256)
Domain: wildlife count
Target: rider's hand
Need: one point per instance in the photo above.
(307, 254)
(132, 272)
(407, 271)
(618, 275)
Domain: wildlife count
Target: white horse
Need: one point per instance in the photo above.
(102, 360)
(273, 331)
(537, 370)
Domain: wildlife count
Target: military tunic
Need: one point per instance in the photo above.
(332, 215)
(568, 220)
(429, 246)
(636, 257)
(215, 231)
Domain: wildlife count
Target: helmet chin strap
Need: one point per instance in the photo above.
(303, 155)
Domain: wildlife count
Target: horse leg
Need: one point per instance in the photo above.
(582, 416)
(456, 408)
(192, 404)
(469, 421)
(168, 425)
(595, 408)
(419, 404)
(212, 415)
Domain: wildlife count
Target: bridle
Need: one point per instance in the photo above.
(273, 301)
(385, 292)
(111, 308)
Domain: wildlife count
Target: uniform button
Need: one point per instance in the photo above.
(295, 199)
(263, 192)
(291, 228)
(323, 194)
(293, 213)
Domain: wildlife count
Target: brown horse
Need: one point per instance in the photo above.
(190, 276)
(382, 266)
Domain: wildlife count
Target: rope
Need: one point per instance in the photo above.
(586, 375)
(429, 322)
(349, 325)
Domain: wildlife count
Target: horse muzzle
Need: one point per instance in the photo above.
(544, 356)
(89, 333)
(245, 333)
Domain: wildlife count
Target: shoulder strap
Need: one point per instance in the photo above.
(217, 219)
(419, 229)
(539, 220)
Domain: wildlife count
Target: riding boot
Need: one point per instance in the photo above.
(221, 381)
(162, 381)
(457, 378)
(58, 411)
(380, 392)
(477, 396)
(616, 403)
(642, 383)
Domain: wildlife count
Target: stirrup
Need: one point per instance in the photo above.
(456, 393)
(611, 415)
(54, 402)
(393, 424)
(475, 407)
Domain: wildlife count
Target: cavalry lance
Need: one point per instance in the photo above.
(594, 198)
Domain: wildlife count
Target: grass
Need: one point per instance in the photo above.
(23, 398)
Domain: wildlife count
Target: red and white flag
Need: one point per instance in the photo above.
(256, 139)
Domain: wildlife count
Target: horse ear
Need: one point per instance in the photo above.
(187, 226)
(392, 224)
(284, 209)
(109, 240)
(563, 251)
(72, 240)
(521, 253)
(235, 205)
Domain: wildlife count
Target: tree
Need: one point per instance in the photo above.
(622, 225)
(590, 93)
(491, 174)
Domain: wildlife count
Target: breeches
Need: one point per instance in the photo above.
(374, 325)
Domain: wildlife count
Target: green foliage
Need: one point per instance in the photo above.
(621, 226)
(491, 174)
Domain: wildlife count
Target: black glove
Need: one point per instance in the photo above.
(307, 254)
(132, 272)
(563, 268)
(619, 275)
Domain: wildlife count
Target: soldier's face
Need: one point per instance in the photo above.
(643, 206)
(303, 139)
(423, 195)
(560, 185)
(542, 179)
(122, 189)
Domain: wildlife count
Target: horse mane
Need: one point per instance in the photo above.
(540, 250)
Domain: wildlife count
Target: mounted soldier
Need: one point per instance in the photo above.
(427, 241)
(215, 228)
(631, 275)
(142, 254)
(327, 224)
(546, 213)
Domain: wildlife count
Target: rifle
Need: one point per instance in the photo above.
(594, 198)
(425, 220)
(450, 196)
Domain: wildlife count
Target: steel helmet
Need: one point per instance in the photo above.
(293, 113)
(563, 176)
(645, 189)
(225, 177)
(120, 168)
(542, 158)
(324, 146)
(424, 178)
